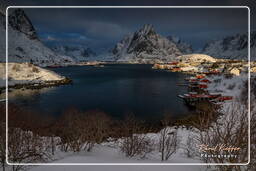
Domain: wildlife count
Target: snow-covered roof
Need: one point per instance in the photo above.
(196, 58)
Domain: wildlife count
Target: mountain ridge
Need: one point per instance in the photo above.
(24, 44)
(145, 45)
(232, 47)
(79, 53)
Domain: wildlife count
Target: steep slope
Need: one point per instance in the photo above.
(19, 21)
(145, 46)
(79, 53)
(182, 46)
(232, 47)
(23, 43)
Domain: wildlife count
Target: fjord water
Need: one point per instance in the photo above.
(116, 89)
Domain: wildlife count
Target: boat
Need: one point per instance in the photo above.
(223, 98)
(200, 76)
(201, 86)
(205, 80)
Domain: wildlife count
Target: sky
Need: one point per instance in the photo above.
(101, 29)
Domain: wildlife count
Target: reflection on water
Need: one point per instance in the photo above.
(115, 89)
(26, 93)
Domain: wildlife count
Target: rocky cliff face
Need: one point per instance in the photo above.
(232, 47)
(19, 21)
(145, 45)
(184, 47)
(23, 43)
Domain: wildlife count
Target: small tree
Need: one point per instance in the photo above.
(230, 130)
(81, 130)
(97, 128)
(69, 128)
(25, 147)
(168, 140)
(135, 142)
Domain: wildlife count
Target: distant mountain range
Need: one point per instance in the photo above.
(78, 53)
(146, 45)
(232, 47)
(142, 46)
(184, 47)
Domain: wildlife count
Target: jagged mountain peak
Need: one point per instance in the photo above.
(146, 30)
(145, 45)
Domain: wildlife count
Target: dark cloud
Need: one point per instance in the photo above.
(103, 27)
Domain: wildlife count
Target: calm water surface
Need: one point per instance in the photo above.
(114, 89)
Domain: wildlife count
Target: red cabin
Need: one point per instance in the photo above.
(200, 76)
(176, 69)
(173, 63)
(205, 81)
(202, 86)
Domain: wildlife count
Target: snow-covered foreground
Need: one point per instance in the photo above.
(120, 168)
(109, 152)
(25, 73)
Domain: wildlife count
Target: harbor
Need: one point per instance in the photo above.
(197, 87)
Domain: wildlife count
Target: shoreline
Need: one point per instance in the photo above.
(39, 85)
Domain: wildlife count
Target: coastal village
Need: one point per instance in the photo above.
(202, 69)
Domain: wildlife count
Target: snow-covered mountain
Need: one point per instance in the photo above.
(184, 47)
(23, 43)
(145, 46)
(79, 53)
(232, 47)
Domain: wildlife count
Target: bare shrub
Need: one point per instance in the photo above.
(207, 113)
(168, 140)
(81, 130)
(25, 147)
(135, 142)
(30, 65)
(252, 165)
(16, 67)
(97, 126)
(70, 130)
(190, 148)
(35, 69)
(230, 131)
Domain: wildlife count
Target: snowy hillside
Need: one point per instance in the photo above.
(145, 46)
(196, 58)
(232, 47)
(184, 47)
(79, 53)
(24, 45)
(24, 73)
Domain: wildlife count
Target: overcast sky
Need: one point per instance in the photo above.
(102, 28)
